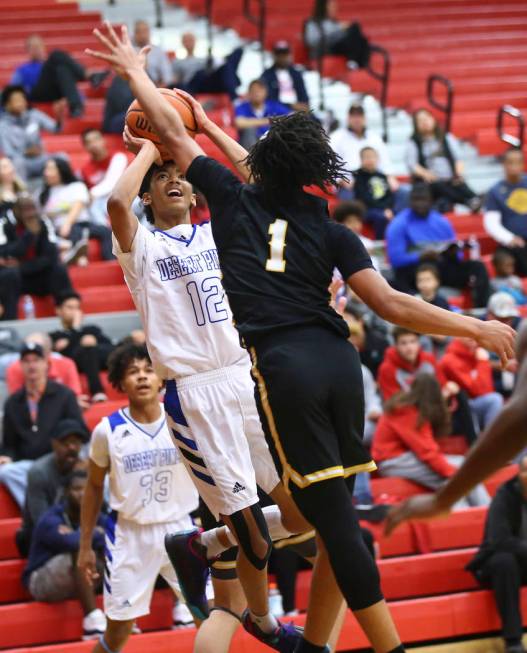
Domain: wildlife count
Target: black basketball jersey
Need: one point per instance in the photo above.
(277, 261)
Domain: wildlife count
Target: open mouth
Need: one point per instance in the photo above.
(143, 387)
(174, 192)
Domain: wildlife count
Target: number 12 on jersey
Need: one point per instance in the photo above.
(276, 261)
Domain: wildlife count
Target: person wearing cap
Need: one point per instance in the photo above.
(469, 366)
(51, 573)
(285, 82)
(502, 306)
(252, 116)
(47, 476)
(31, 416)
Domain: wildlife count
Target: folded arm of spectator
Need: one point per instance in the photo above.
(495, 229)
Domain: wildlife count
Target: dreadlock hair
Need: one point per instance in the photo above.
(294, 153)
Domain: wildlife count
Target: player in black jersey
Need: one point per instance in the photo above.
(278, 250)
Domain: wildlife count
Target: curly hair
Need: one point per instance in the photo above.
(121, 358)
(294, 153)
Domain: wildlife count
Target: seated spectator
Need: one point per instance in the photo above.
(405, 442)
(157, 62)
(20, 128)
(502, 307)
(352, 214)
(85, 344)
(468, 365)
(11, 186)
(420, 234)
(369, 339)
(101, 172)
(60, 368)
(31, 416)
(433, 157)
(185, 68)
(51, 573)
(51, 78)
(117, 100)
(325, 34)
(285, 82)
(10, 346)
(252, 116)
(501, 562)
(35, 257)
(65, 201)
(372, 188)
(48, 475)
(505, 217)
(505, 279)
(427, 282)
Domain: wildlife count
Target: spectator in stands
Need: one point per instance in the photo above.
(157, 62)
(35, 257)
(352, 215)
(184, 68)
(370, 341)
(420, 234)
(501, 562)
(372, 188)
(60, 368)
(51, 574)
(65, 201)
(48, 475)
(285, 82)
(505, 279)
(20, 128)
(51, 78)
(427, 282)
(405, 443)
(117, 100)
(502, 307)
(433, 157)
(468, 366)
(505, 217)
(325, 34)
(31, 416)
(10, 287)
(252, 116)
(11, 186)
(101, 172)
(85, 344)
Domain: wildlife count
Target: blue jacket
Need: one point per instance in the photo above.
(408, 232)
(270, 78)
(272, 108)
(27, 75)
(47, 541)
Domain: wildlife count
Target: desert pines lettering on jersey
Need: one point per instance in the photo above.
(146, 460)
(174, 267)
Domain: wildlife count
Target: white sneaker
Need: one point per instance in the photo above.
(181, 616)
(93, 625)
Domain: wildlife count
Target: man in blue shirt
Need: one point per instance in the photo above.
(505, 217)
(419, 234)
(285, 83)
(252, 116)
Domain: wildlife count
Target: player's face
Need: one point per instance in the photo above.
(140, 382)
(170, 193)
(408, 347)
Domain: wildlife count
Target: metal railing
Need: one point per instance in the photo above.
(259, 19)
(445, 107)
(517, 115)
(210, 31)
(383, 76)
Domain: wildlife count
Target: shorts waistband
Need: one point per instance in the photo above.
(211, 377)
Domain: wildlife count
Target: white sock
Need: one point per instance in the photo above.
(211, 541)
(267, 622)
(273, 517)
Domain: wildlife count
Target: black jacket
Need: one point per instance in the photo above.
(503, 526)
(74, 337)
(36, 253)
(24, 440)
(270, 78)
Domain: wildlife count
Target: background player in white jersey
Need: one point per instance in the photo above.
(174, 277)
(151, 495)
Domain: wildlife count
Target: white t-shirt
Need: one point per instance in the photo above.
(148, 482)
(61, 199)
(175, 280)
(348, 146)
(287, 93)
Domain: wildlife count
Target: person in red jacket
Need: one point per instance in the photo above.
(468, 365)
(405, 442)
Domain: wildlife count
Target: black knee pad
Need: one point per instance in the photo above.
(241, 530)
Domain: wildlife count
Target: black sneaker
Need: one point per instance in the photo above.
(285, 638)
(192, 569)
(96, 79)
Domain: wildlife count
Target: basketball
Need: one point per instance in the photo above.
(140, 126)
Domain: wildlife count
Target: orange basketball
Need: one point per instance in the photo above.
(140, 126)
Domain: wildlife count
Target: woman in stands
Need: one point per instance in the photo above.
(405, 443)
(433, 156)
(10, 185)
(65, 201)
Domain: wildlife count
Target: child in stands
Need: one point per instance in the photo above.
(372, 188)
(427, 282)
(352, 214)
(505, 279)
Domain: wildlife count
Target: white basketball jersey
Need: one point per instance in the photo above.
(148, 482)
(175, 280)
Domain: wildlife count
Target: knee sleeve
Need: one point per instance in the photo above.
(241, 529)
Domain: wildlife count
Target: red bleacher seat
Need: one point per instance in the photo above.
(105, 299)
(99, 273)
(96, 412)
(8, 528)
(8, 506)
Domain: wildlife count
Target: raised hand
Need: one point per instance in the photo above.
(120, 53)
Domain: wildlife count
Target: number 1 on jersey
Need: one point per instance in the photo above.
(276, 261)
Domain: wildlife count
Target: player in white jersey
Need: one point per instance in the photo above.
(151, 495)
(174, 277)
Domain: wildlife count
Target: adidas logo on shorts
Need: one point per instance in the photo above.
(238, 487)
